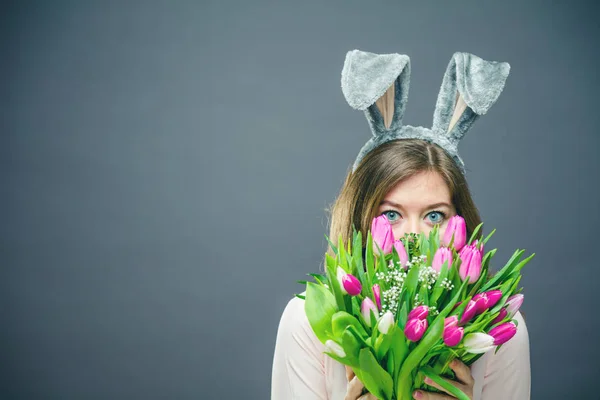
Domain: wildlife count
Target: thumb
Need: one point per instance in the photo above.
(349, 373)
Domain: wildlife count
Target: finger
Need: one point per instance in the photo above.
(349, 373)
(367, 396)
(458, 385)
(463, 373)
(422, 395)
(354, 389)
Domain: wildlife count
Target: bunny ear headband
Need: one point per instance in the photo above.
(378, 85)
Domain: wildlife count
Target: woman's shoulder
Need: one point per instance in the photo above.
(294, 316)
(295, 329)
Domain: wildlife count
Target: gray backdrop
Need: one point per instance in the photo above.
(166, 166)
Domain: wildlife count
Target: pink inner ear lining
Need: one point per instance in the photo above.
(459, 108)
(385, 105)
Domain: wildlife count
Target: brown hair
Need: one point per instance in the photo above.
(381, 170)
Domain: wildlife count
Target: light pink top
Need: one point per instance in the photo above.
(302, 371)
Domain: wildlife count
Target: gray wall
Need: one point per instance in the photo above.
(165, 167)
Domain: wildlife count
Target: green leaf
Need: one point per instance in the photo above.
(424, 294)
(375, 378)
(341, 256)
(399, 348)
(453, 390)
(410, 285)
(402, 315)
(369, 264)
(434, 242)
(333, 248)
(507, 269)
(382, 344)
(319, 278)
(334, 285)
(320, 306)
(351, 346)
(357, 261)
(475, 232)
(342, 320)
(437, 288)
(488, 237)
(300, 296)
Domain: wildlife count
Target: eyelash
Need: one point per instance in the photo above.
(443, 214)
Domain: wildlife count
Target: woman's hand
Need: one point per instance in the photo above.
(465, 383)
(355, 388)
(463, 373)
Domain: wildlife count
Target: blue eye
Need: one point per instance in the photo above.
(392, 215)
(438, 217)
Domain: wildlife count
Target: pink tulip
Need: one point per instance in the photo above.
(382, 234)
(503, 333)
(457, 228)
(351, 284)
(503, 313)
(442, 255)
(513, 304)
(487, 300)
(451, 321)
(366, 307)
(420, 312)
(377, 294)
(415, 329)
(453, 335)
(401, 250)
(469, 312)
(470, 264)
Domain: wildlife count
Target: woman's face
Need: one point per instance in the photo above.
(417, 204)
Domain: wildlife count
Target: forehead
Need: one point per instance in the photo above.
(420, 189)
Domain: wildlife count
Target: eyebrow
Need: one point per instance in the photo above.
(436, 205)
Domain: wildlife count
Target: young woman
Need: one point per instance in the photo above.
(416, 179)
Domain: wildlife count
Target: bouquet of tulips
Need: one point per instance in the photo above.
(401, 310)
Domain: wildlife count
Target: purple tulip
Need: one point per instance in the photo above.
(453, 335)
(442, 255)
(503, 313)
(401, 250)
(382, 234)
(470, 266)
(487, 300)
(351, 284)
(366, 307)
(377, 294)
(469, 312)
(415, 329)
(513, 304)
(450, 321)
(457, 228)
(420, 312)
(503, 333)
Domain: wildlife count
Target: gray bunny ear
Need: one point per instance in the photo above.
(378, 85)
(470, 87)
